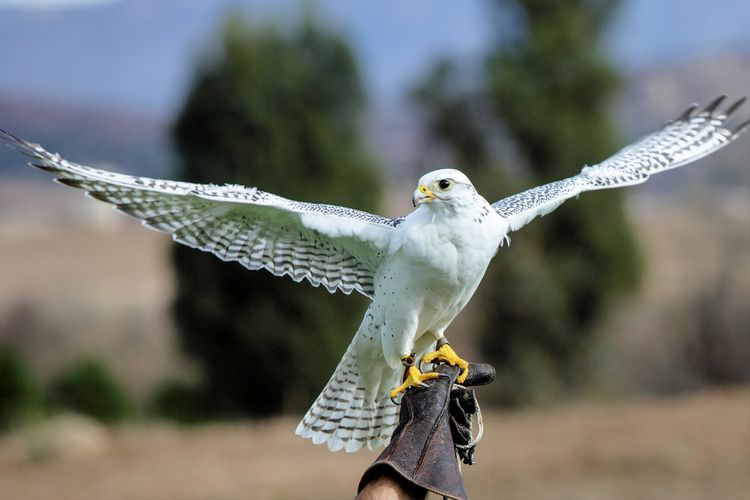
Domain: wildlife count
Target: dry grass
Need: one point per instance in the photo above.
(77, 278)
(695, 248)
(692, 447)
(97, 282)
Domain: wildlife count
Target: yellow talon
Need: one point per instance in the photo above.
(447, 354)
(414, 378)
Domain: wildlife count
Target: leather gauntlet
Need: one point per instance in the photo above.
(433, 432)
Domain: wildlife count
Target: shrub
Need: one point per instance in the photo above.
(179, 401)
(20, 394)
(87, 387)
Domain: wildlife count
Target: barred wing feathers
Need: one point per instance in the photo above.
(336, 247)
(684, 140)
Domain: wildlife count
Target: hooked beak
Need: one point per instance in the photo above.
(422, 195)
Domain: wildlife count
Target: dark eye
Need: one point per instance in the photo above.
(444, 184)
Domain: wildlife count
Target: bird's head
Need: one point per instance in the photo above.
(446, 188)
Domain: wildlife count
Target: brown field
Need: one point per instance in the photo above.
(694, 447)
(75, 278)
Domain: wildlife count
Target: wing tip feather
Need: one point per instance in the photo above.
(711, 107)
(687, 114)
(739, 130)
(734, 107)
(8, 137)
(26, 148)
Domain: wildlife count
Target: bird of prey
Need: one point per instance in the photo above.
(419, 270)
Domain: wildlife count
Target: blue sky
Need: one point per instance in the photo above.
(141, 59)
(51, 3)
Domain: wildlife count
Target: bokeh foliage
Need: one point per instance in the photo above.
(545, 87)
(277, 109)
(21, 395)
(88, 387)
(179, 401)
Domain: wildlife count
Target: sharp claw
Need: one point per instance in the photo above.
(446, 353)
(414, 378)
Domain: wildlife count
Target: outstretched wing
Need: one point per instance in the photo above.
(327, 245)
(678, 143)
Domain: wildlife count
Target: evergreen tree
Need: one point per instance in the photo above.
(280, 111)
(547, 88)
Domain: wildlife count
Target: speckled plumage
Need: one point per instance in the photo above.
(683, 140)
(420, 270)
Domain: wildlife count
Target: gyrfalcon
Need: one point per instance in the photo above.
(419, 270)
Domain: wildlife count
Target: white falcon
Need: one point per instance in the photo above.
(419, 270)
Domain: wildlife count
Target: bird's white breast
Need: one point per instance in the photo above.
(434, 264)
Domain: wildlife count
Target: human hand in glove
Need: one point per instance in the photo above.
(434, 431)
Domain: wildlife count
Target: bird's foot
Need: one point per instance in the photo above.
(447, 354)
(414, 378)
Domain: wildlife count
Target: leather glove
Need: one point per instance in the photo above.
(432, 422)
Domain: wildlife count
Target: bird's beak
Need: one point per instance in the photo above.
(422, 195)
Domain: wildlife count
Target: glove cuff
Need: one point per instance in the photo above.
(421, 450)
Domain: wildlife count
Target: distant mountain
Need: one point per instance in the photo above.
(648, 99)
(653, 96)
(136, 143)
(139, 55)
(133, 55)
(656, 92)
(125, 142)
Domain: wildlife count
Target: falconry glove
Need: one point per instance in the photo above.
(434, 430)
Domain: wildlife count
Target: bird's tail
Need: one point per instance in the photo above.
(341, 416)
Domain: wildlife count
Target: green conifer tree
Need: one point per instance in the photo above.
(546, 87)
(278, 110)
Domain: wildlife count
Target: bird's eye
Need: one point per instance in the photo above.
(444, 184)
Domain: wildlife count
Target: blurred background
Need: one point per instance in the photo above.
(619, 325)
